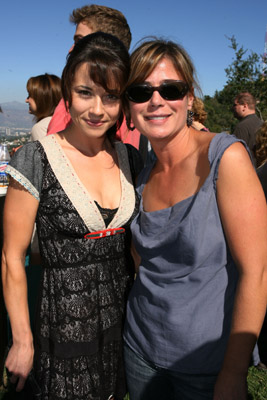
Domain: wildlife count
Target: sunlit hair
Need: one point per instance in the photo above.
(246, 98)
(45, 90)
(261, 145)
(108, 66)
(104, 19)
(146, 57)
(198, 109)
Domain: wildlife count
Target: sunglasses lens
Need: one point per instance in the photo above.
(139, 93)
(168, 91)
(173, 91)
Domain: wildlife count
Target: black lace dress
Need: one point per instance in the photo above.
(85, 282)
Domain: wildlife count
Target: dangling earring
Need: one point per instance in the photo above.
(189, 119)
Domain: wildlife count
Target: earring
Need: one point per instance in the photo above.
(189, 119)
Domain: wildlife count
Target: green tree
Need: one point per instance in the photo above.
(219, 115)
(245, 73)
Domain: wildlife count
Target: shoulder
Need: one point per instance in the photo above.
(39, 130)
(28, 154)
(235, 152)
(219, 142)
(25, 150)
(235, 164)
(26, 167)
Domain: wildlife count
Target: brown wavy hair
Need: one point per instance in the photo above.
(260, 149)
(45, 90)
(146, 57)
(198, 109)
(104, 19)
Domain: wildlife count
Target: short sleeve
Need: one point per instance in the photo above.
(218, 146)
(25, 167)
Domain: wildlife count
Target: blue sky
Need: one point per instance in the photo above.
(36, 35)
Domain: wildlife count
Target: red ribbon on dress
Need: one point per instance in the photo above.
(104, 233)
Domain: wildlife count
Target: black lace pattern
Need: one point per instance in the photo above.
(82, 299)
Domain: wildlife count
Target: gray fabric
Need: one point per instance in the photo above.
(27, 161)
(180, 307)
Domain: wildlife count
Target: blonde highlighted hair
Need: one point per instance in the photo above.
(198, 109)
(145, 58)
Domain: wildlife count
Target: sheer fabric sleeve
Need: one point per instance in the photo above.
(26, 168)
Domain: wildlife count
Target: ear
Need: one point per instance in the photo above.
(190, 99)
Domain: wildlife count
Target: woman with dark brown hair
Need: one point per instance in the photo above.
(78, 186)
(44, 94)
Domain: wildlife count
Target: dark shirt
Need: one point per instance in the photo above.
(247, 128)
(262, 174)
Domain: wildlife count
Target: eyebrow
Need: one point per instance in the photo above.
(166, 81)
(82, 87)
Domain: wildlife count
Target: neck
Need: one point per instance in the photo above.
(249, 112)
(88, 146)
(171, 151)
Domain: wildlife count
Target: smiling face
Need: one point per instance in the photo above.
(158, 118)
(93, 110)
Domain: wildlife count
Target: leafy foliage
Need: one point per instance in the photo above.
(244, 74)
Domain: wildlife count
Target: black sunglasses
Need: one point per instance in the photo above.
(140, 93)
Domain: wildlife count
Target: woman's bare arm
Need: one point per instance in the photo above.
(243, 212)
(19, 216)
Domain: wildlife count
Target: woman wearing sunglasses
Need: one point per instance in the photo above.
(199, 297)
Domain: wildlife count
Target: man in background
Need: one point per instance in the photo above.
(90, 19)
(244, 109)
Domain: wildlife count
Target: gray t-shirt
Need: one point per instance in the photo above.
(180, 307)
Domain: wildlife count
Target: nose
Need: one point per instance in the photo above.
(156, 98)
(96, 107)
(27, 100)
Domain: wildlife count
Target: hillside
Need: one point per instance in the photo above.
(15, 115)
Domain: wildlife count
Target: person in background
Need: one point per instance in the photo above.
(89, 19)
(260, 152)
(44, 94)
(199, 298)
(199, 115)
(77, 186)
(244, 109)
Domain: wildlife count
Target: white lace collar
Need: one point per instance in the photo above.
(79, 195)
